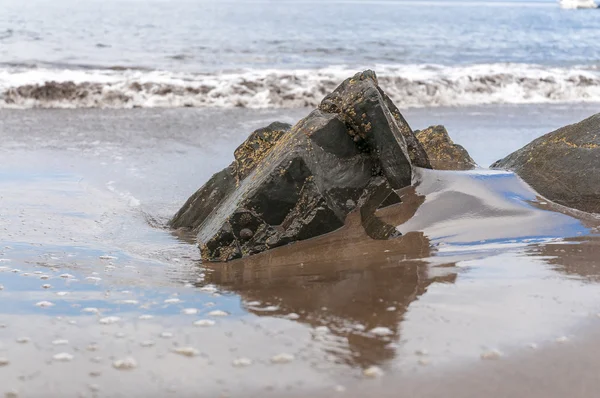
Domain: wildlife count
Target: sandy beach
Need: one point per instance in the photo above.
(492, 290)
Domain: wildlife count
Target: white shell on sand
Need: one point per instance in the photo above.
(186, 351)
(125, 364)
(491, 355)
(109, 320)
(242, 362)
(63, 357)
(373, 372)
(282, 358)
(204, 322)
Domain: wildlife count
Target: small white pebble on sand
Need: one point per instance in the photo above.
(381, 331)
(90, 310)
(562, 339)
(166, 335)
(373, 372)
(125, 364)
(63, 357)
(292, 316)
(46, 286)
(208, 289)
(44, 277)
(4, 361)
(172, 301)
(60, 342)
(391, 308)
(359, 327)
(109, 320)
(218, 313)
(189, 311)
(491, 355)
(242, 362)
(145, 317)
(204, 322)
(67, 276)
(321, 330)
(282, 358)
(44, 304)
(186, 351)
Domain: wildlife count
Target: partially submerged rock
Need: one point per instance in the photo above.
(287, 185)
(443, 153)
(563, 166)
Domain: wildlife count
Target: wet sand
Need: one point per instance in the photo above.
(491, 291)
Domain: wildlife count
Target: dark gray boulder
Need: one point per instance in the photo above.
(443, 153)
(563, 166)
(290, 184)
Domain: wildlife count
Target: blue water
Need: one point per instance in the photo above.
(273, 54)
(228, 35)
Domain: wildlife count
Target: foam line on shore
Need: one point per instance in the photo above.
(409, 86)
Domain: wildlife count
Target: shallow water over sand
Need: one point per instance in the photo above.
(97, 299)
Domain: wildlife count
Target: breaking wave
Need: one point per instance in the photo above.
(408, 85)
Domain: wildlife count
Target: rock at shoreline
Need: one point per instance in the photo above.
(290, 184)
(443, 153)
(563, 166)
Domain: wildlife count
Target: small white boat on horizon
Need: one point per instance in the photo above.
(577, 4)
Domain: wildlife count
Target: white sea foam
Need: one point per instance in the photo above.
(408, 85)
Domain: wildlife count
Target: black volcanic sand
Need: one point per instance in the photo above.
(492, 290)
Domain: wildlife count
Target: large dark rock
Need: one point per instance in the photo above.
(287, 185)
(443, 153)
(563, 166)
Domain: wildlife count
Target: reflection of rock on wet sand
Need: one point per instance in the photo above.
(371, 283)
(344, 280)
(576, 257)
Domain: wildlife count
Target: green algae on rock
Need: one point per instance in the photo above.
(563, 166)
(443, 153)
(287, 185)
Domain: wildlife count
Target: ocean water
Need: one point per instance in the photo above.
(272, 54)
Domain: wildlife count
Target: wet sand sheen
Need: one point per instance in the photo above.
(92, 294)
